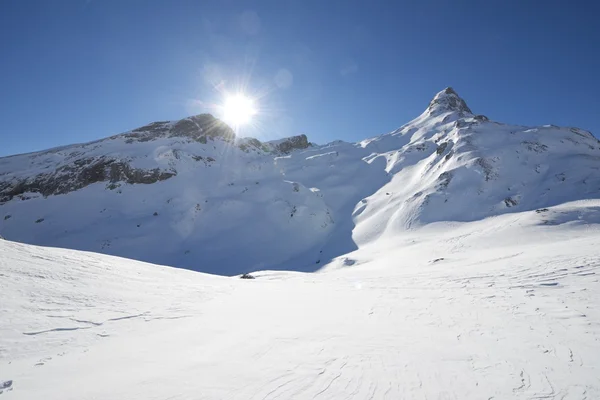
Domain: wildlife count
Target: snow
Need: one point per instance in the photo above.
(453, 258)
(504, 307)
(229, 211)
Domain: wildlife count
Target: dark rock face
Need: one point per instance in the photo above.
(252, 143)
(79, 174)
(255, 142)
(441, 148)
(487, 168)
(535, 146)
(294, 142)
(443, 180)
(198, 127)
(78, 170)
(510, 202)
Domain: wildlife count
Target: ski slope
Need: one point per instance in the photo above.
(500, 308)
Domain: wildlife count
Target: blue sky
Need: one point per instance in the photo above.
(75, 71)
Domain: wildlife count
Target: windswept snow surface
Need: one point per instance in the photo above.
(501, 308)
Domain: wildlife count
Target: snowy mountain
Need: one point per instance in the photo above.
(190, 194)
(457, 258)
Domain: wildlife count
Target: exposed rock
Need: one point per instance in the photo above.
(535, 146)
(247, 276)
(198, 127)
(481, 118)
(255, 142)
(148, 132)
(294, 142)
(488, 170)
(203, 125)
(122, 172)
(448, 100)
(510, 202)
(158, 126)
(440, 149)
(79, 174)
(583, 133)
(444, 180)
(460, 123)
(251, 143)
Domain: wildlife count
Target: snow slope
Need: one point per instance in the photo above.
(500, 308)
(188, 194)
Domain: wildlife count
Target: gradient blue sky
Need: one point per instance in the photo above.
(74, 71)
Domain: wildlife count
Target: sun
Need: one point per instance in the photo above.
(238, 109)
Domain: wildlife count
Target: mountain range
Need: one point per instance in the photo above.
(191, 194)
(453, 258)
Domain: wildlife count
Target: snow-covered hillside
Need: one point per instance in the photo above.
(501, 308)
(189, 194)
(457, 258)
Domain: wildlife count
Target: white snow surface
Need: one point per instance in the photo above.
(501, 308)
(454, 258)
(228, 211)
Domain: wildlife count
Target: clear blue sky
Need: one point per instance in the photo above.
(74, 71)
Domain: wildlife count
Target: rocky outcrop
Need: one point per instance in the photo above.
(198, 127)
(292, 143)
(441, 148)
(79, 174)
(277, 146)
(67, 169)
(247, 144)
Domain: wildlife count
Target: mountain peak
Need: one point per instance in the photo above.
(448, 100)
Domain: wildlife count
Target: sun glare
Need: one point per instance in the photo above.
(238, 109)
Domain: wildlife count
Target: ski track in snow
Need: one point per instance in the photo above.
(516, 319)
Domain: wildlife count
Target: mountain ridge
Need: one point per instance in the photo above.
(189, 193)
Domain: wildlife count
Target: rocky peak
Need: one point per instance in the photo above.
(448, 100)
(294, 142)
(197, 127)
(288, 144)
